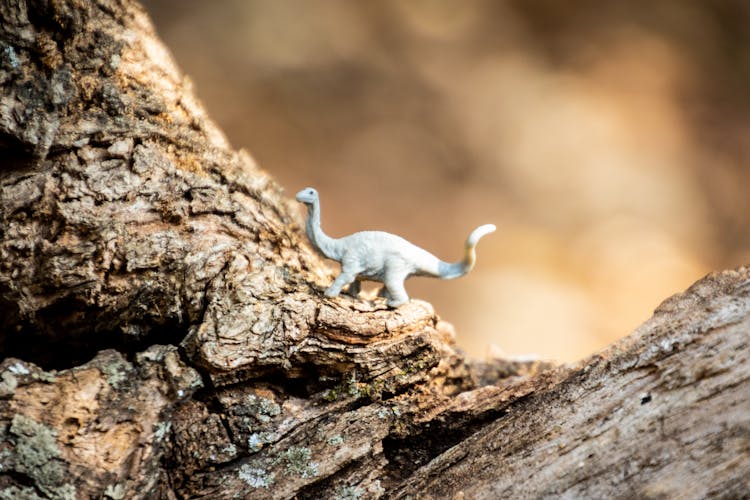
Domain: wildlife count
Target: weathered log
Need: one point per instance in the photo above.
(664, 413)
(132, 234)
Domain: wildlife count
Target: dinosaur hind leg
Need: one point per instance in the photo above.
(394, 283)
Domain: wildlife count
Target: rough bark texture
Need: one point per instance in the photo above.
(132, 234)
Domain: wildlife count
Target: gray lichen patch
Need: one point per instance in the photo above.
(336, 440)
(116, 374)
(115, 491)
(347, 493)
(161, 430)
(183, 380)
(36, 446)
(9, 57)
(18, 369)
(8, 384)
(256, 477)
(263, 409)
(37, 455)
(257, 440)
(229, 449)
(19, 493)
(297, 461)
(14, 372)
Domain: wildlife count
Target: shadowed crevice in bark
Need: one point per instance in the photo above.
(408, 451)
(15, 157)
(60, 353)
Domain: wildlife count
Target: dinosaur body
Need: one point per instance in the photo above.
(381, 256)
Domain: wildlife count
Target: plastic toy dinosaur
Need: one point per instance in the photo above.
(381, 256)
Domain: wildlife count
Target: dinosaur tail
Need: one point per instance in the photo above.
(448, 271)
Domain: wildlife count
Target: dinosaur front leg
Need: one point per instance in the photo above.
(347, 276)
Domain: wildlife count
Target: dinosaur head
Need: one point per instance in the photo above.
(308, 196)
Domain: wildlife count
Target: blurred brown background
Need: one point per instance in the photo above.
(607, 140)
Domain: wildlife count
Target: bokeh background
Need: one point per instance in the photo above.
(609, 142)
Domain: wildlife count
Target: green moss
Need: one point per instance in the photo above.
(351, 387)
(36, 454)
(373, 390)
(44, 377)
(420, 364)
(331, 395)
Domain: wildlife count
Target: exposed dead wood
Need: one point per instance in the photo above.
(130, 229)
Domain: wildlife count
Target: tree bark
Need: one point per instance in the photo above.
(165, 334)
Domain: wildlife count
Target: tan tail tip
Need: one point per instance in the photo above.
(479, 232)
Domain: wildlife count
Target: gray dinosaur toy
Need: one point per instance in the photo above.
(381, 256)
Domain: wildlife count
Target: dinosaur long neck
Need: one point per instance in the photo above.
(321, 241)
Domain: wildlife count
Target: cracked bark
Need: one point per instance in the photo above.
(165, 335)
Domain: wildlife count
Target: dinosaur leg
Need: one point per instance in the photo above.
(394, 282)
(347, 276)
(354, 288)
